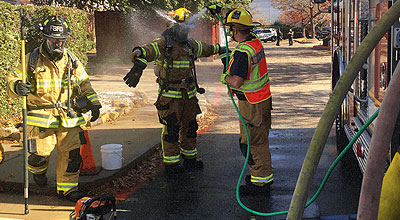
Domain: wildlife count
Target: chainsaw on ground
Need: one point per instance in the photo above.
(96, 208)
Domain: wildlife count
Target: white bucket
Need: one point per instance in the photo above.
(111, 156)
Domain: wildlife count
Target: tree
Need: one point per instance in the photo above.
(123, 5)
(302, 13)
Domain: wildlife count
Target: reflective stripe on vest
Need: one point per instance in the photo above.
(176, 94)
(44, 121)
(63, 83)
(41, 120)
(72, 122)
(179, 64)
(256, 87)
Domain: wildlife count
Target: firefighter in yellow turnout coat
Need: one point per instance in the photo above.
(247, 76)
(177, 104)
(51, 120)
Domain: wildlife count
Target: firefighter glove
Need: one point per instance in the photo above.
(133, 76)
(136, 52)
(22, 89)
(215, 8)
(222, 50)
(223, 76)
(95, 112)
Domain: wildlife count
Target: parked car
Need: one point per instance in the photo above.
(323, 33)
(268, 34)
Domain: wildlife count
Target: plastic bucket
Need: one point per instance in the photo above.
(111, 156)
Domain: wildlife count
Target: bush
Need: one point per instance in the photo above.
(10, 45)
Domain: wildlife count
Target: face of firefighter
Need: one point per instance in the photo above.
(232, 33)
(54, 47)
(181, 32)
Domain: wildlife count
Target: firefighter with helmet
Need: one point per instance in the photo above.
(58, 91)
(177, 104)
(247, 76)
(181, 14)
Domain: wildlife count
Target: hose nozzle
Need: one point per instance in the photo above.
(215, 8)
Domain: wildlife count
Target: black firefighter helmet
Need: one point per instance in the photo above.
(55, 31)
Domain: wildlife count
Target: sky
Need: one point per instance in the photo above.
(264, 9)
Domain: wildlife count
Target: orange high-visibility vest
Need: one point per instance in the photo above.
(256, 86)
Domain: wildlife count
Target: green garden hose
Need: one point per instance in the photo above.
(248, 147)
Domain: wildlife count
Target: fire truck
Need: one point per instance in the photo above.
(351, 20)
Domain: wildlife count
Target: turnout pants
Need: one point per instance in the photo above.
(68, 143)
(258, 121)
(178, 116)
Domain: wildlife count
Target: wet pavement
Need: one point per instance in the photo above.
(298, 98)
(210, 193)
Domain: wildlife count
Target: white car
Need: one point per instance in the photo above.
(268, 34)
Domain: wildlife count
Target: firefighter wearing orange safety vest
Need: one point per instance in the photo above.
(55, 79)
(177, 104)
(247, 76)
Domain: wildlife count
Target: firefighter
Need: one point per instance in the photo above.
(181, 14)
(52, 120)
(248, 78)
(177, 104)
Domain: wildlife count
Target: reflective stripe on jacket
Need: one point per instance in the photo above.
(256, 86)
(180, 67)
(50, 87)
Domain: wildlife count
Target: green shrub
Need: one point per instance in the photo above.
(10, 45)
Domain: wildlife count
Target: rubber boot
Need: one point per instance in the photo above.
(40, 179)
(73, 196)
(193, 164)
(174, 169)
(251, 189)
(248, 179)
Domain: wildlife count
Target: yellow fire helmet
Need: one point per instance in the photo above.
(242, 17)
(181, 14)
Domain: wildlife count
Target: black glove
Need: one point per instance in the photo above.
(136, 52)
(133, 76)
(222, 50)
(95, 112)
(22, 89)
(215, 8)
